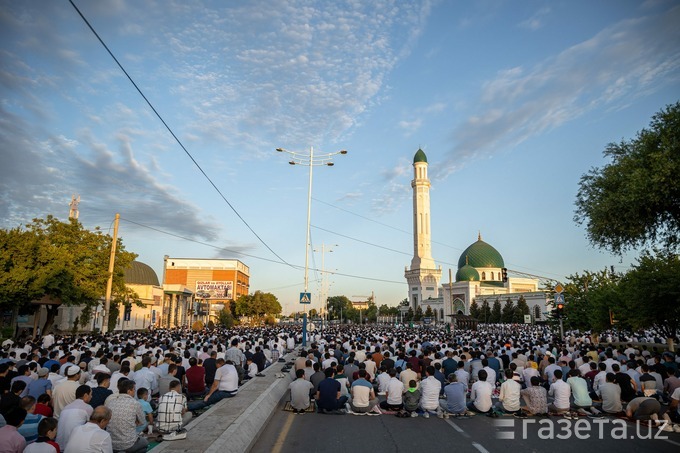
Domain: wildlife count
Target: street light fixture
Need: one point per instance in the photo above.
(309, 160)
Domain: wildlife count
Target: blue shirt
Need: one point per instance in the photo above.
(455, 397)
(38, 387)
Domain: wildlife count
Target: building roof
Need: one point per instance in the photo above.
(420, 156)
(141, 274)
(467, 273)
(480, 254)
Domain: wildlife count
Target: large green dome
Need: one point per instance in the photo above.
(467, 273)
(480, 254)
(420, 156)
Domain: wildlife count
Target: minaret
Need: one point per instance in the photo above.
(423, 277)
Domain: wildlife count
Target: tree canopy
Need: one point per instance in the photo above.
(634, 200)
(61, 260)
(258, 305)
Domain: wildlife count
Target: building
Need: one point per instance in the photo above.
(197, 289)
(480, 273)
(423, 276)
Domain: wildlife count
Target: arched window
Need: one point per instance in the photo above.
(490, 275)
(483, 275)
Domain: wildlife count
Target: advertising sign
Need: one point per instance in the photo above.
(214, 290)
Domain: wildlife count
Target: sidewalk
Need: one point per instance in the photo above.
(233, 424)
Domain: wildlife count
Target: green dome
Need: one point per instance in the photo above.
(467, 273)
(420, 156)
(480, 254)
(140, 274)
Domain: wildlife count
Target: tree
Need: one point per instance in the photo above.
(508, 309)
(495, 312)
(428, 312)
(651, 293)
(484, 312)
(588, 299)
(339, 306)
(521, 310)
(409, 314)
(635, 199)
(256, 306)
(225, 318)
(60, 260)
(474, 309)
(419, 314)
(537, 312)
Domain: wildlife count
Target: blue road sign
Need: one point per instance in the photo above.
(305, 298)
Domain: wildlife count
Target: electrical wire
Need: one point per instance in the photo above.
(179, 142)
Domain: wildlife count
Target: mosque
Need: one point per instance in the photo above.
(481, 273)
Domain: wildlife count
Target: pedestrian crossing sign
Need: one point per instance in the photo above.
(305, 298)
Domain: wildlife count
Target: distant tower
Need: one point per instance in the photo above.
(423, 277)
(74, 213)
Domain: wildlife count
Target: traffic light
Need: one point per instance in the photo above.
(504, 273)
(560, 311)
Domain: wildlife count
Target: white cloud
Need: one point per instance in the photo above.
(536, 20)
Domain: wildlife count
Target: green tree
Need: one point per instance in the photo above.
(485, 312)
(256, 306)
(225, 318)
(588, 299)
(418, 316)
(339, 306)
(495, 312)
(651, 293)
(428, 312)
(521, 310)
(508, 311)
(59, 260)
(474, 309)
(537, 312)
(409, 314)
(635, 199)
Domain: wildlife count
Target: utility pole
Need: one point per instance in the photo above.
(109, 283)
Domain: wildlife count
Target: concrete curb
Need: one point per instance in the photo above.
(232, 425)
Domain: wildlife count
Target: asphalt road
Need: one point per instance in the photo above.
(288, 433)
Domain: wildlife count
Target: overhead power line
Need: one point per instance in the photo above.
(179, 142)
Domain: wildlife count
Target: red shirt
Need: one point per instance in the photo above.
(43, 409)
(195, 379)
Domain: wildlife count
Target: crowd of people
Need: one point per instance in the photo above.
(118, 392)
(93, 393)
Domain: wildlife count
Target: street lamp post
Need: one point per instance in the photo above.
(311, 161)
(324, 280)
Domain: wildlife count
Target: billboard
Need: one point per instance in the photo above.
(214, 290)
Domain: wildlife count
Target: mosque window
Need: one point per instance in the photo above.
(483, 275)
(490, 275)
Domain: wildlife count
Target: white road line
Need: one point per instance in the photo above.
(479, 447)
(672, 442)
(458, 428)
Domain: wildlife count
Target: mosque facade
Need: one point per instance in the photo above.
(481, 275)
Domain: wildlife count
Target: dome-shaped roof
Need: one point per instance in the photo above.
(420, 156)
(467, 273)
(141, 274)
(480, 254)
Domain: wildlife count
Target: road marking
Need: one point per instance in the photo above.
(671, 442)
(282, 435)
(457, 428)
(479, 447)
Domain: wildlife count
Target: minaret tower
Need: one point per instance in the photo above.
(423, 277)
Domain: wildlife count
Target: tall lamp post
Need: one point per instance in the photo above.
(311, 161)
(324, 280)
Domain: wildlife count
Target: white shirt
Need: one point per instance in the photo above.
(429, 393)
(395, 388)
(463, 376)
(490, 375)
(89, 438)
(481, 395)
(510, 394)
(73, 415)
(228, 377)
(599, 379)
(145, 378)
(561, 391)
(383, 379)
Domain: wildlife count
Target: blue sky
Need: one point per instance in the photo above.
(511, 101)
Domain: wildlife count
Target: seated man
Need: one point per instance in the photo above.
(535, 397)
(610, 393)
(561, 392)
(92, 435)
(225, 384)
(394, 391)
(480, 394)
(172, 409)
(364, 400)
(299, 392)
(455, 397)
(583, 404)
(508, 400)
(430, 387)
(329, 395)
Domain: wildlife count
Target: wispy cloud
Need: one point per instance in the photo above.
(536, 20)
(622, 61)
